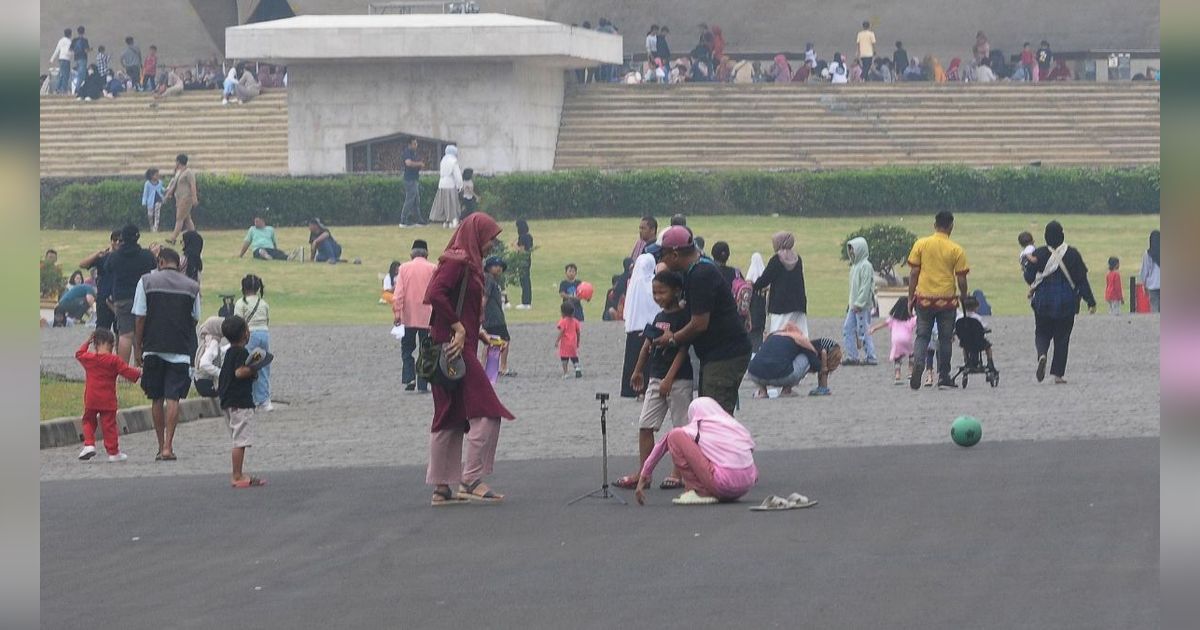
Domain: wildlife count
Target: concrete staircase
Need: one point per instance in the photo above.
(129, 134)
(766, 126)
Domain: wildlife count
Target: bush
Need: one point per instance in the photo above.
(889, 246)
(228, 201)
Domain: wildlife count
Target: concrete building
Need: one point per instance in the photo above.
(492, 84)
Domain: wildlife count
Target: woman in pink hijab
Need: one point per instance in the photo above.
(782, 71)
(713, 452)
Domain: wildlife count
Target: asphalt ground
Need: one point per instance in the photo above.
(1046, 534)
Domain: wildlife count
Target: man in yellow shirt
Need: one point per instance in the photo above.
(866, 48)
(938, 279)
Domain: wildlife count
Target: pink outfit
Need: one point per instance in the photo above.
(714, 453)
(412, 280)
(445, 453)
(904, 332)
(568, 346)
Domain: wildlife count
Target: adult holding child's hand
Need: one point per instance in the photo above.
(468, 406)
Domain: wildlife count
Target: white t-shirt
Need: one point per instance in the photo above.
(651, 45)
(1028, 251)
(838, 72)
(62, 52)
(866, 43)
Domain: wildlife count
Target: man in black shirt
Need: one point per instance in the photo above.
(126, 266)
(410, 214)
(899, 59)
(714, 328)
(1044, 57)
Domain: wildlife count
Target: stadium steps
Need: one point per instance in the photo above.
(616, 127)
(129, 134)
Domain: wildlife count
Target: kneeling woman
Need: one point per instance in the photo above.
(470, 406)
(786, 356)
(713, 452)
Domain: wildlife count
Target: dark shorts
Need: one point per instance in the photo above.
(165, 380)
(720, 380)
(498, 331)
(123, 309)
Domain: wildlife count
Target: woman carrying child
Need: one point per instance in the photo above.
(670, 372)
(1057, 280)
(903, 328)
(254, 309)
(455, 295)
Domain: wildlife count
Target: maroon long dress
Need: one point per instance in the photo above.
(473, 396)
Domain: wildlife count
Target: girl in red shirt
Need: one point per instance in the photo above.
(568, 339)
(100, 393)
(1113, 292)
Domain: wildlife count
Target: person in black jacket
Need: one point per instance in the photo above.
(788, 301)
(126, 266)
(91, 86)
(1057, 278)
(664, 50)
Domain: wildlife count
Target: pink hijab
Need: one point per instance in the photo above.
(722, 439)
(783, 70)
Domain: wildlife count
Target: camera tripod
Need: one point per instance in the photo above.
(603, 492)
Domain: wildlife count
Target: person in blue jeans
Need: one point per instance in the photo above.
(862, 299)
(254, 309)
(62, 54)
(79, 50)
(320, 241)
(410, 214)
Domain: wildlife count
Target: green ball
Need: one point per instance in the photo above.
(966, 431)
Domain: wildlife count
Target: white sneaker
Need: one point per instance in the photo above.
(119, 457)
(267, 406)
(404, 226)
(224, 101)
(87, 453)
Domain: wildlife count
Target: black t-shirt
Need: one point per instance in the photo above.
(79, 48)
(526, 241)
(661, 357)
(410, 174)
(570, 287)
(312, 237)
(1043, 60)
(493, 312)
(707, 291)
(103, 278)
(235, 393)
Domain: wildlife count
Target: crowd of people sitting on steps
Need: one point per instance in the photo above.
(70, 73)
(709, 61)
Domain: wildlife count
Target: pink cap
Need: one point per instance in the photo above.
(677, 236)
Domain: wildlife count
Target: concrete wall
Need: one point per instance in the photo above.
(504, 116)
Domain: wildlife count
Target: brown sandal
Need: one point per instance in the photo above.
(478, 491)
(445, 497)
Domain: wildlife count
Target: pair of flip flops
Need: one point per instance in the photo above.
(775, 503)
(165, 458)
(249, 482)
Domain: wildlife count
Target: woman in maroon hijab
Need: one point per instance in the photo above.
(470, 406)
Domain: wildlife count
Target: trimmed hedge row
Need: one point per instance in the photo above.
(229, 200)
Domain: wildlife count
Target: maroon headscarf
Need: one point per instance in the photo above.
(466, 246)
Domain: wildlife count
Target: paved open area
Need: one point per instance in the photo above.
(342, 403)
(1050, 522)
(1051, 534)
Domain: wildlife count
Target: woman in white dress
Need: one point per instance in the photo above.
(446, 206)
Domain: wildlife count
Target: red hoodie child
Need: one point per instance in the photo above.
(100, 393)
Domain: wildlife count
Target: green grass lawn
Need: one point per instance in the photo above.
(310, 293)
(62, 398)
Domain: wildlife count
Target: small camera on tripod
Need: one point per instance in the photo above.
(601, 396)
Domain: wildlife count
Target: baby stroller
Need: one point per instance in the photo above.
(972, 337)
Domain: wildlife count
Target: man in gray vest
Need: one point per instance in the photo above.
(166, 304)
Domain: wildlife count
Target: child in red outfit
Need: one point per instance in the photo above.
(568, 339)
(1113, 293)
(100, 393)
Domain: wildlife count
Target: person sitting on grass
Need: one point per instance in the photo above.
(236, 383)
(260, 242)
(786, 356)
(321, 243)
(714, 454)
(101, 369)
(670, 386)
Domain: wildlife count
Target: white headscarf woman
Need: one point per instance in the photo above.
(446, 205)
(640, 310)
(756, 268)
